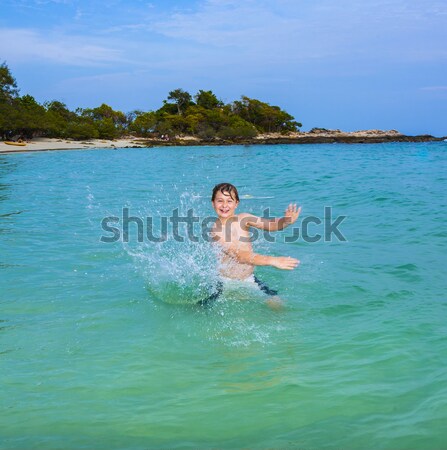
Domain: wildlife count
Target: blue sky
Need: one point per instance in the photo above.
(345, 64)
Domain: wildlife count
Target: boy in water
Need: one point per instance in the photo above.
(232, 233)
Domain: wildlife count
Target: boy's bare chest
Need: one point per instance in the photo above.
(230, 233)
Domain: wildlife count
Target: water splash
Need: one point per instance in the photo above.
(176, 272)
(180, 273)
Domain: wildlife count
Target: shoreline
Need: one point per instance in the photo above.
(311, 137)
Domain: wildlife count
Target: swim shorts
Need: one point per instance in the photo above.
(219, 289)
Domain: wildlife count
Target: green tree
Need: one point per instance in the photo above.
(207, 100)
(8, 102)
(205, 131)
(132, 115)
(107, 129)
(172, 124)
(58, 117)
(105, 112)
(144, 123)
(30, 119)
(181, 99)
(205, 123)
(109, 123)
(82, 128)
(8, 118)
(265, 117)
(167, 108)
(195, 116)
(8, 84)
(237, 128)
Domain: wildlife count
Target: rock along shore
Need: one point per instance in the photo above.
(311, 137)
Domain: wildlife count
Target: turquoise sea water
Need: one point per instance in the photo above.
(100, 346)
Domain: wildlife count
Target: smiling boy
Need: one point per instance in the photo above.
(231, 232)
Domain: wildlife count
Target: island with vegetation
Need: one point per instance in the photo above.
(183, 119)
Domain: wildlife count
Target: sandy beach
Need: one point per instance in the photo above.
(45, 144)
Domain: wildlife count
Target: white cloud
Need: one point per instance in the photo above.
(303, 29)
(24, 45)
(220, 22)
(250, 31)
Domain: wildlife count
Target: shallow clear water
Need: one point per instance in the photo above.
(100, 346)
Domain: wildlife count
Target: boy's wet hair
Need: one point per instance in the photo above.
(225, 188)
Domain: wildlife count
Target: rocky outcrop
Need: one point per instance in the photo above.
(314, 136)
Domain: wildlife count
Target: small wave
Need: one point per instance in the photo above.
(409, 267)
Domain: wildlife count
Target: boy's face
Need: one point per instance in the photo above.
(224, 204)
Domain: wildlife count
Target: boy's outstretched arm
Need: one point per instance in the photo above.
(291, 215)
(280, 262)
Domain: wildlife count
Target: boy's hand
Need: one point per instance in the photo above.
(291, 214)
(285, 262)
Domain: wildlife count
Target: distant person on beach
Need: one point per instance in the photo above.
(232, 233)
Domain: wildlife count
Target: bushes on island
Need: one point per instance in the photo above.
(203, 116)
